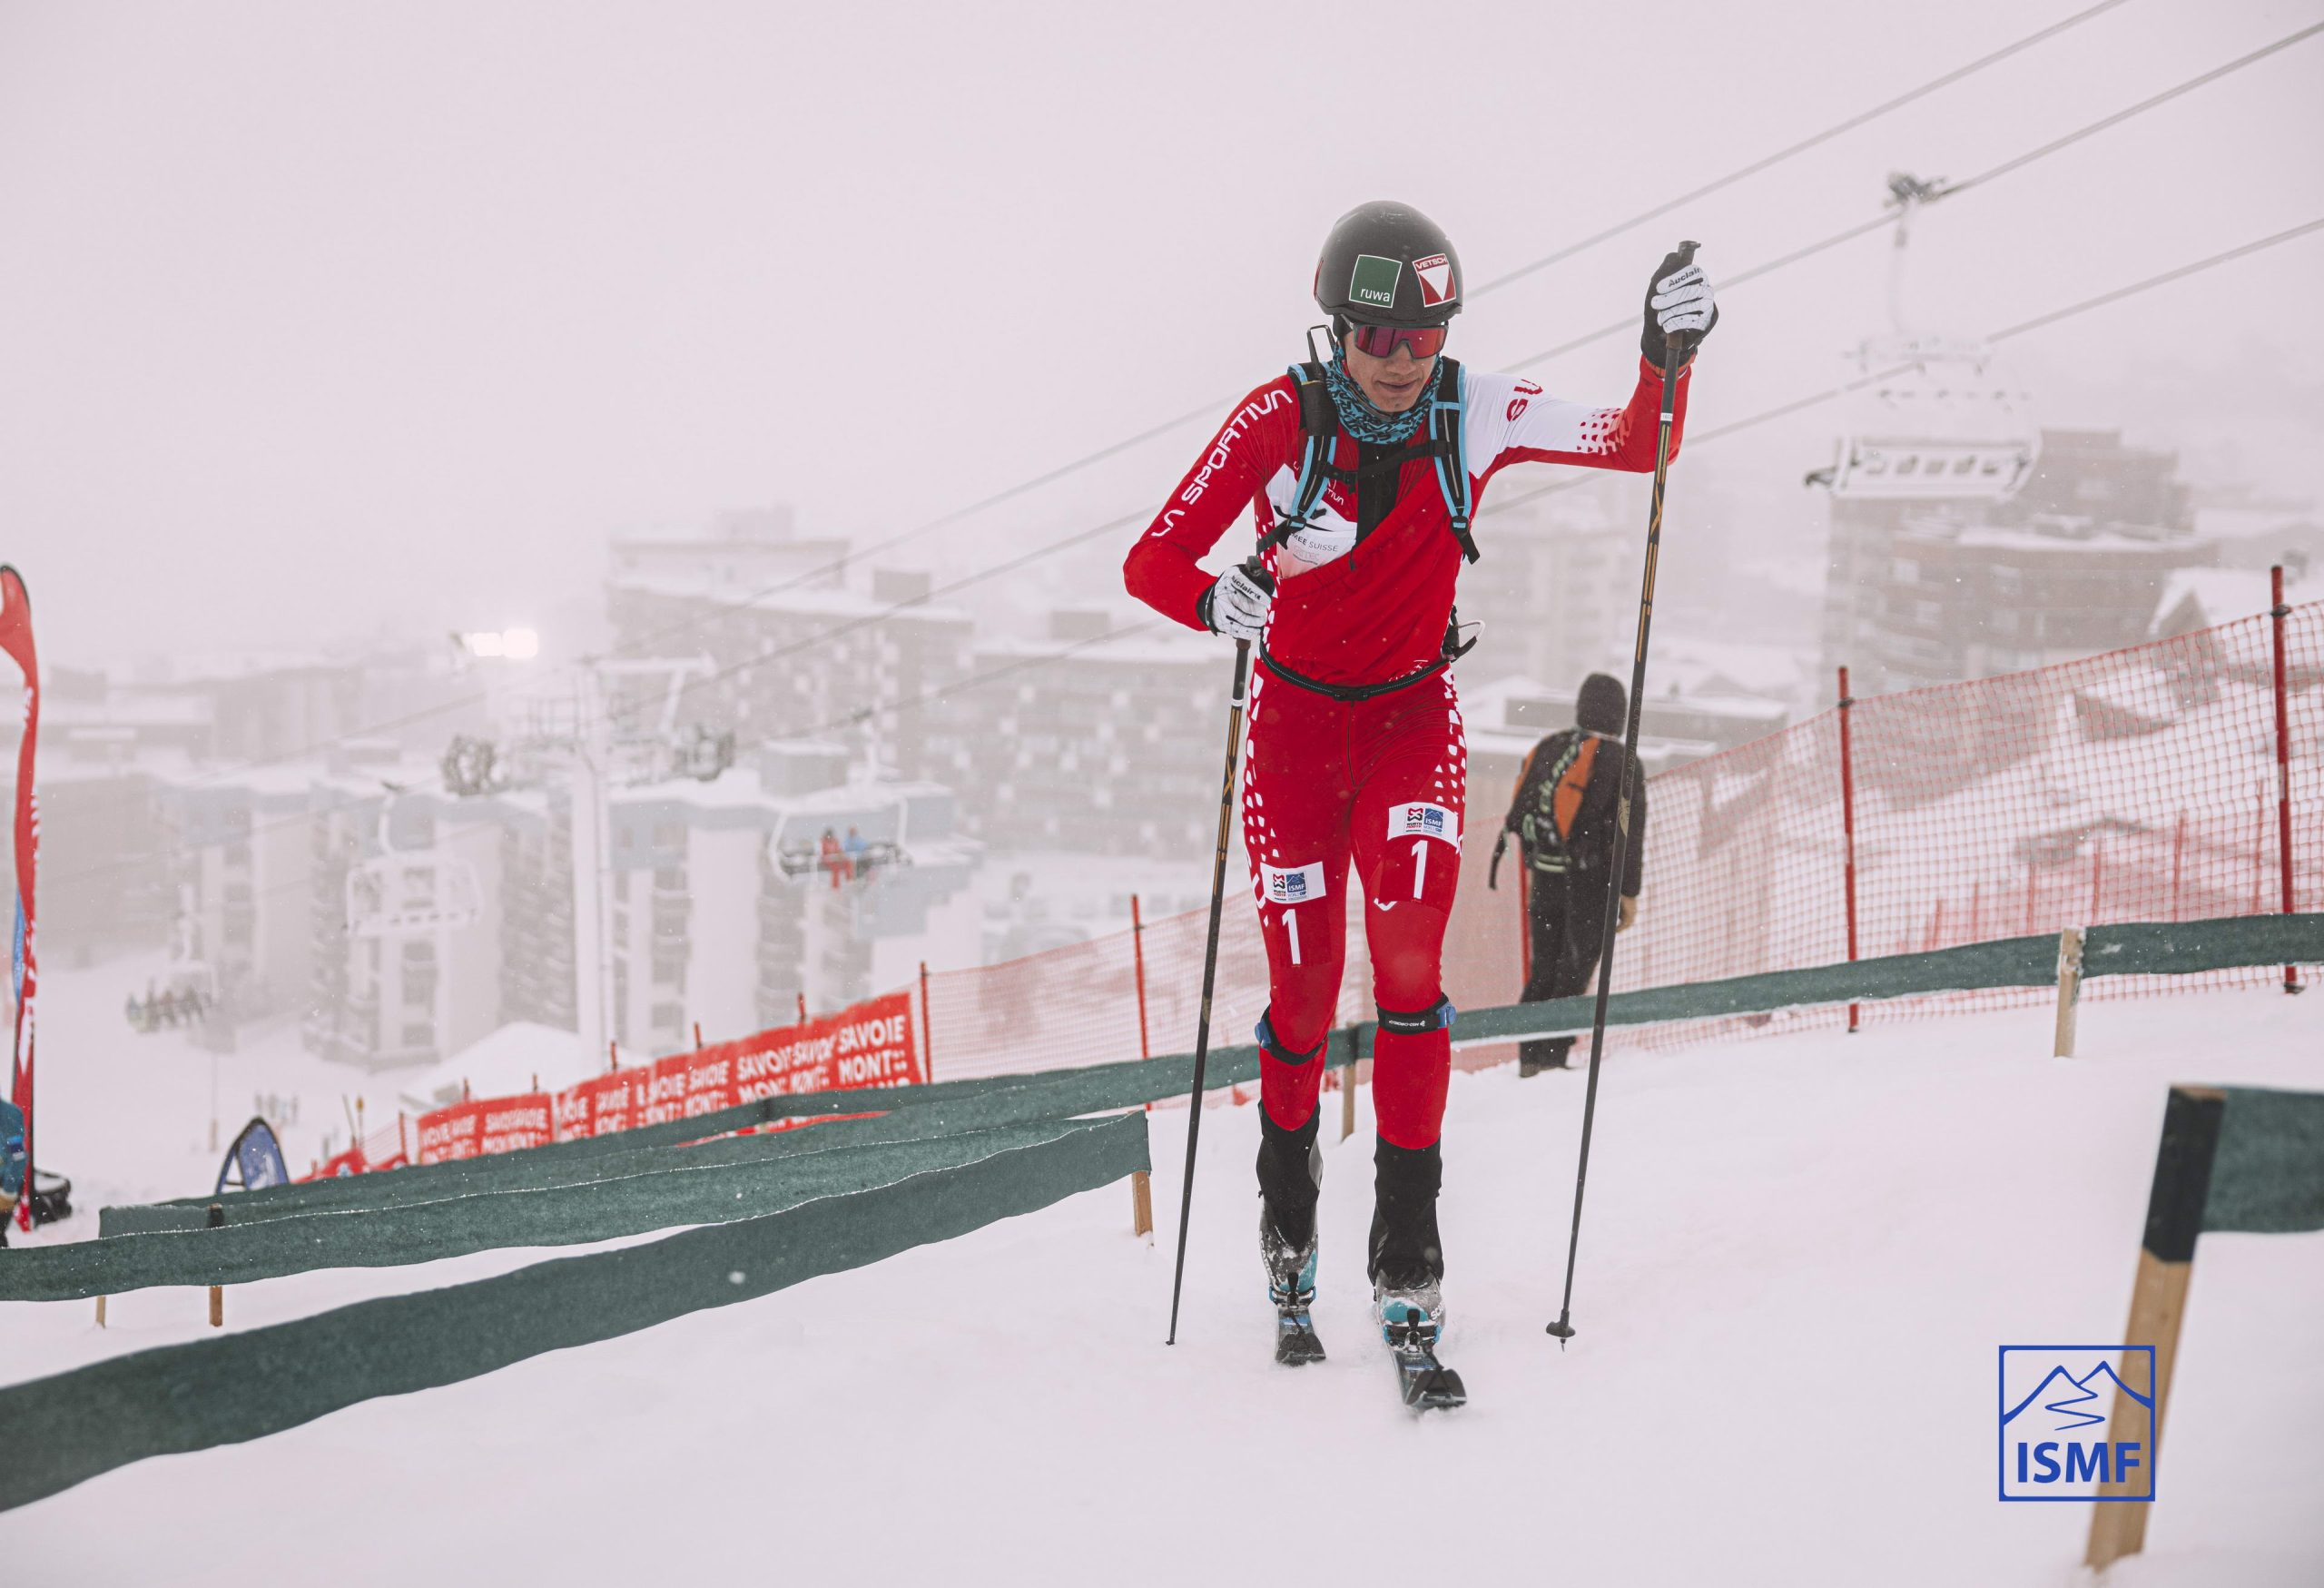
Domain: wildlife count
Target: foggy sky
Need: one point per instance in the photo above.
(324, 319)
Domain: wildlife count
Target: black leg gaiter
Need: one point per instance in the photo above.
(1290, 1177)
(1405, 1247)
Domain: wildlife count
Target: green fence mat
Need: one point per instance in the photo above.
(2180, 948)
(246, 1385)
(519, 1171)
(2268, 1170)
(2140, 948)
(661, 1190)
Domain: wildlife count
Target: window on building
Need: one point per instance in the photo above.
(670, 879)
(669, 1017)
(419, 1035)
(669, 835)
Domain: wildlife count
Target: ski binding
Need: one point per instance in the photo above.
(1428, 1384)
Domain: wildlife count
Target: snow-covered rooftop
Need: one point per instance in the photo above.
(814, 599)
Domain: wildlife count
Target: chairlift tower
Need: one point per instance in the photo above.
(598, 742)
(1933, 427)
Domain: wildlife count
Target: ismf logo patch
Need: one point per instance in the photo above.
(2077, 1423)
(1422, 820)
(1373, 281)
(1297, 884)
(1436, 282)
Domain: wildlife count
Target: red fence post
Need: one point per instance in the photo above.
(2178, 857)
(927, 1045)
(803, 1009)
(2277, 613)
(1847, 822)
(1141, 1185)
(1138, 960)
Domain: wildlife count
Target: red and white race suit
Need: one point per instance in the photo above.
(1383, 781)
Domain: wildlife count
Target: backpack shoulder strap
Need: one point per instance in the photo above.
(1319, 423)
(1444, 424)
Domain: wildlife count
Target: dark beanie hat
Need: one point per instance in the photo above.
(1600, 707)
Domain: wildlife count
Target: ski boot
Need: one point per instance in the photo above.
(1291, 1285)
(1291, 1177)
(1408, 1271)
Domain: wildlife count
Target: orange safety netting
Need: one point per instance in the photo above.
(2137, 785)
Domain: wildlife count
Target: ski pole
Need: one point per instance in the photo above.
(1674, 359)
(1210, 965)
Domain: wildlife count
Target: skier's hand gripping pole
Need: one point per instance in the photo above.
(1210, 947)
(1677, 346)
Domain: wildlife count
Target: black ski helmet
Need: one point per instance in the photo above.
(1386, 263)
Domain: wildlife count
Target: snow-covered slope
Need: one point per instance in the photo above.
(1799, 1257)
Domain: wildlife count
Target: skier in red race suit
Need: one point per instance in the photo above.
(1355, 748)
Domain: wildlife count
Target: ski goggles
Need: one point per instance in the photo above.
(1381, 342)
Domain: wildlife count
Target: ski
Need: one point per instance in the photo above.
(1427, 1384)
(1295, 1344)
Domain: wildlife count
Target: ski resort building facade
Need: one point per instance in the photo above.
(1933, 581)
(401, 927)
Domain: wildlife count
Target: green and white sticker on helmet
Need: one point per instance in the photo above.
(1373, 281)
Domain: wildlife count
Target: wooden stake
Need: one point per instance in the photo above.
(2069, 988)
(2158, 1302)
(100, 1312)
(217, 1292)
(2174, 1219)
(1141, 1203)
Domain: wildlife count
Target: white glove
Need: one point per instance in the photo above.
(1682, 301)
(1679, 299)
(1237, 606)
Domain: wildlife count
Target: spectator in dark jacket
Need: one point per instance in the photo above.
(1564, 815)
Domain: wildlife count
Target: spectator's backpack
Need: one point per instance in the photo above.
(1547, 825)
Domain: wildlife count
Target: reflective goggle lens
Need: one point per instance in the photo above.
(1381, 341)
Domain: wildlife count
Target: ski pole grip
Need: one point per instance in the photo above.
(1682, 342)
(1255, 571)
